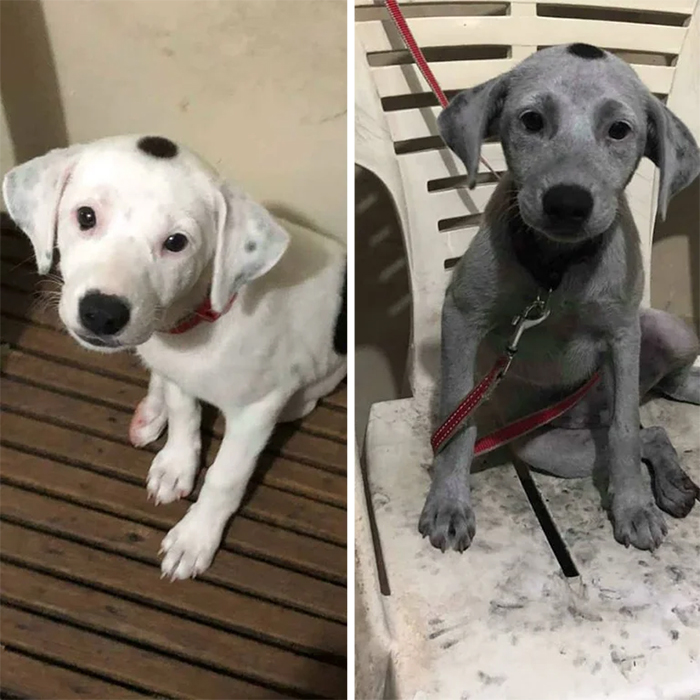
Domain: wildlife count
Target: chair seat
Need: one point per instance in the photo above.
(501, 620)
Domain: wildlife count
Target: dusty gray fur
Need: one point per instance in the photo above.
(595, 319)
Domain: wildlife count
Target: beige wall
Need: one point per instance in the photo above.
(256, 87)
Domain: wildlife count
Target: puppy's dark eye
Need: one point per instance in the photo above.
(86, 218)
(176, 242)
(532, 121)
(618, 130)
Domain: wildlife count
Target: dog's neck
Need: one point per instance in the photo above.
(546, 260)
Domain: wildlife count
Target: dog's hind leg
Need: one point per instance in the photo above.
(674, 492)
(305, 400)
(151, 414)
(566, 453)
(668, 350)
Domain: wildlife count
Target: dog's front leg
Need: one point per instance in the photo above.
(190, 546)
(447, 517)
(636, 519)
(173, 469)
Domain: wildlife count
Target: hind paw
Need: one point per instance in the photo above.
(675, 492)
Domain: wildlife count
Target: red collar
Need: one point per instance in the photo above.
(203, 312)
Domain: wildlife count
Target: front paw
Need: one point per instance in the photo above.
(171, 475)
(188, 549)
(641, 525)
(447, 517)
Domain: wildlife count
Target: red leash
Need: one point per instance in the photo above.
(419, 58)
(532, 316)
(400, 22)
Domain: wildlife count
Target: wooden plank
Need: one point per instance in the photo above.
(113, 424)
(79, 382)
(339, 398)
(29, 677)
(126, 500)
(296, 513)
(326, 422)
(510, 30)
(287, 439)
(244, 574)
(121, 662)
(133, 622)
(131, 578)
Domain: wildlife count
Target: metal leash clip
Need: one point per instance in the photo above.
(533, 315)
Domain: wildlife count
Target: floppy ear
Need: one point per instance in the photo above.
(32, 193)
(249, 242)
(472, 116)
(672, 148)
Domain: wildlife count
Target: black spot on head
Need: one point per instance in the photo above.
(250, 246)
(585, 51)
(157, 146)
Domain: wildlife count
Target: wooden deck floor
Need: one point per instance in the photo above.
(84, 610)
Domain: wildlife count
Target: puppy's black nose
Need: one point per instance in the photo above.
(567, 204)
(103, 314)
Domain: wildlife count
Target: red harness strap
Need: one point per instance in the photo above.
(202, 313)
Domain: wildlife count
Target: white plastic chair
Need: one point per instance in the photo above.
(503, 621)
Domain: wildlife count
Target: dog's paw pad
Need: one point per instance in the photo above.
(641, 526)
(171, 475)
(188, 549)
(148, 422)
(448, 522)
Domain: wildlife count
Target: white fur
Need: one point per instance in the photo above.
(269, 358)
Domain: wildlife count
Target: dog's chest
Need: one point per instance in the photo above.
(562, 351)
(224, 372)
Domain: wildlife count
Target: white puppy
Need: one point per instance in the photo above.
(222, 304)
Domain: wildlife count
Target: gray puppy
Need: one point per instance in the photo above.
(574, 122)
